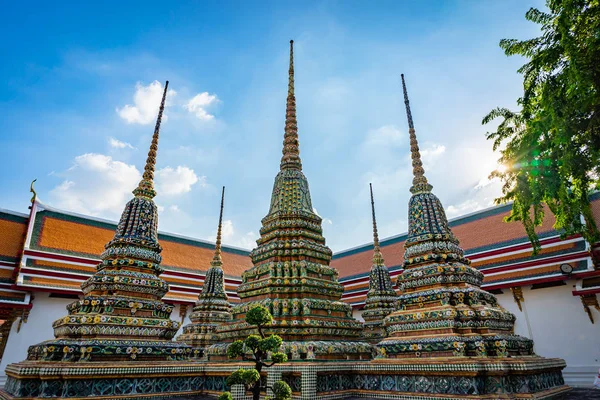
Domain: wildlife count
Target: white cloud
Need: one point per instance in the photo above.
(97, 185)
(199, 105)
(174, 208)
(230, 236)
(325, 220)
(431, 153)
(385, 136)
(117, 144)
(170, 182)
(479, 197)
(146, 104)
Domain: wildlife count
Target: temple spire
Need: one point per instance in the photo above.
(291, 151)
(146, 186)
(420, 183)
(217, 261)
(377, 256)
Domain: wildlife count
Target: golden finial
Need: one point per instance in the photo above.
(291, 150)
(146, 185)
(377, 256)
(217, 261)
(32, 190)
(420, 183)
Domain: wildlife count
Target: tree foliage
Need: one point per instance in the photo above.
(261, 350)
(551, 146)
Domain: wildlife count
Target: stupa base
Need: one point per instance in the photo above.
(122, 380)
(315, 350)
(415, 379)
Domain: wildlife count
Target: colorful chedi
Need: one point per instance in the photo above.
(121, 316)
(446, 324)
(212, 308)
(381, 297)
(291, 274)
(443, 311)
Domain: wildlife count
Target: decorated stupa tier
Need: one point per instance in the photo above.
(442, 311)
(291, 275)
(212, 308)
(381, 297)
(122, 316)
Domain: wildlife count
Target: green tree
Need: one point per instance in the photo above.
(257, 348)
(551, 145)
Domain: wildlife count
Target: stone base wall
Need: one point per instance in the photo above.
(453, 378)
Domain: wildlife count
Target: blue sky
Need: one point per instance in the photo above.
(81, 84)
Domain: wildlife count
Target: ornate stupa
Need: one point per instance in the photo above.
(443, 310)
(381, 297)
(212, 307)
(121, 316)
(446, 324)
(291, 273)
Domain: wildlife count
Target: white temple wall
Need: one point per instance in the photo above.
(38, 328)
(560, 328)
(557, 322)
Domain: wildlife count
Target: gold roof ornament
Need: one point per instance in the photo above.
(420, 184)
(291, 149)
(146, 186)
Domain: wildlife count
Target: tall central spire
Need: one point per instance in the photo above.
(217, 261)
(420, 183)
(146, 186)
(291, 150)
(291, 275)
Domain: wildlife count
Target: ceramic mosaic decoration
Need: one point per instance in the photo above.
(381, 298)
(212, 307)
(291, 274)
(443, 312)
(117, 340)
(122, 316)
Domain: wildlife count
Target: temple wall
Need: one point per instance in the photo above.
(37, 329)
(560, 328)
(557, 322)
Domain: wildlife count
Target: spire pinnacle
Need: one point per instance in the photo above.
(291, 151)
(146, 186)
(420, 183)
(377, 256)
(217, 261)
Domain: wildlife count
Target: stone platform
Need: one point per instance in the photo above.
(433, 379)
(123, 380)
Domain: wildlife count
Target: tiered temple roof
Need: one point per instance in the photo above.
(122, 315)
(212, 308)
(381, 298)
(291, 273)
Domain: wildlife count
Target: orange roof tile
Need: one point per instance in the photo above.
(12, 236)
(67, 234)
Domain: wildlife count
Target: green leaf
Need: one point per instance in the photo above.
(272, 343)
(279, 357)
(252, 342)
(250, 376)
(552, 142)
(282, 391)
(225, 396)
(259, 315)
(235, 349)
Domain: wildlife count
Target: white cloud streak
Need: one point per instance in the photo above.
(146, 102)
(200, 104)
